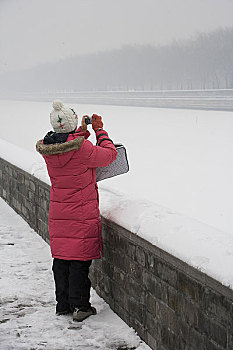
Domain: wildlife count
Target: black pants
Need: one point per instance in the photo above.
(72, 285)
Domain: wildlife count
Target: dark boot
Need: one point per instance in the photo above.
(80, 314)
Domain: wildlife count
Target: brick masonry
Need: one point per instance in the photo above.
(171, 305)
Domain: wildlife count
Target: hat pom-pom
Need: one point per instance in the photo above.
(57, 105)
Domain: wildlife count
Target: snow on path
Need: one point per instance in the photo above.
(27, 305)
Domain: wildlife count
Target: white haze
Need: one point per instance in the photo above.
(37, 31)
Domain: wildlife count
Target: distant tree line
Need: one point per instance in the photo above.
(204, 62)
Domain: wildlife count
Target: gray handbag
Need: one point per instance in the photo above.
(118, 167)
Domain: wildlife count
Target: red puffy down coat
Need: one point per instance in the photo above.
(74, 217)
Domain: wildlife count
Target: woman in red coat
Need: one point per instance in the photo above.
(74, 217)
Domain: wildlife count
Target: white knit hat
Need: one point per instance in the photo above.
(63, 119)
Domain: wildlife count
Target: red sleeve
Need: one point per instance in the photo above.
(102, 155)
(80, 132)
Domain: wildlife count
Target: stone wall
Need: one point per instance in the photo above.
(27, 195)
(170, 304)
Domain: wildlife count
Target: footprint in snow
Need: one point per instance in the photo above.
(4, 320)
(73, 325)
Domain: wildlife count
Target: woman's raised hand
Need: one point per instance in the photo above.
(83, 124)
(97, 122)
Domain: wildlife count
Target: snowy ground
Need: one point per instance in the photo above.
(27, 306)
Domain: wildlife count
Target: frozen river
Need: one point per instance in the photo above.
(188, 99)
(181, 159)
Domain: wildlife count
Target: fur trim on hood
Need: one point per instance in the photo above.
(59, 148)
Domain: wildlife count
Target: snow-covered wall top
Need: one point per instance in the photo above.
(197, 244)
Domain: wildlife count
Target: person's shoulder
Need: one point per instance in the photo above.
(86, 148)
(86, 143)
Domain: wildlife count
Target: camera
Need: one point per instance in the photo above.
(88, 120)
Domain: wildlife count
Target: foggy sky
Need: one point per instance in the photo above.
(37, 31)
